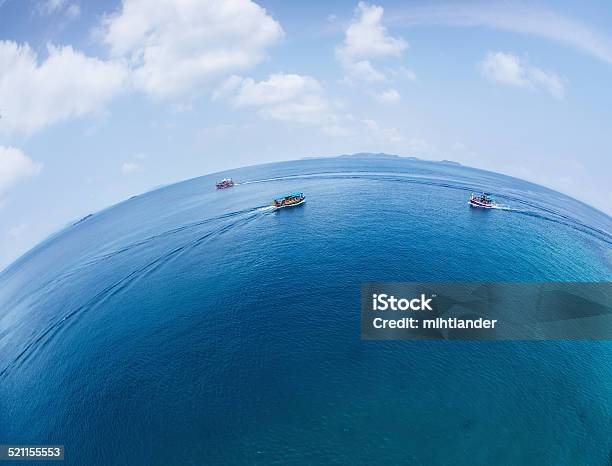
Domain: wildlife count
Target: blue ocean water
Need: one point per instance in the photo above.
(195, 326)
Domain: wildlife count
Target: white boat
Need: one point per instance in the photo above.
(225, 183)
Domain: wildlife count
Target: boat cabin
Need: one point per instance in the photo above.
(289, 199)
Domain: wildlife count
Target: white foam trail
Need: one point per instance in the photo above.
(501, 207)
(266, 180)
(266, 208)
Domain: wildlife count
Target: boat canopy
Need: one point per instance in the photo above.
(289, 195)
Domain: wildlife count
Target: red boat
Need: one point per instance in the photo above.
(225, 183)
(483, 200)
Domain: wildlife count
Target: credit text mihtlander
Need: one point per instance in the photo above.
(383, 302)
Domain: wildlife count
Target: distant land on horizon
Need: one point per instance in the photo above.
(369, 155)
(380, 155)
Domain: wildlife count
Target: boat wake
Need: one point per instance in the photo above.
(195, 235)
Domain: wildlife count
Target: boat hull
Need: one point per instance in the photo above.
(225, 183)
(290, 205)
(475, 203)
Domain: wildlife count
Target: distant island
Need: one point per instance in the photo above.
(381, 155)
(451, 162)
(370, 154)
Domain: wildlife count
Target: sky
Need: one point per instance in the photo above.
(102, 100)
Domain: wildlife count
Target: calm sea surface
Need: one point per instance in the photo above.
(196, 326)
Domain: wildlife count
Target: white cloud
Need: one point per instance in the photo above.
(388, 135)
(388, 96)
(283, 97)
(302, 99)
(365, 40)
(401, 72)
(129, 167)
(34, 94)
(513, 17)
(312, 109)
(176, 47)
(382, 136)
(73, 11)
(549, 81)
(278, 88)
(51, 7)
(15, 166)
(172, 50)
(504, 68)
(510, 69)
(364, 70)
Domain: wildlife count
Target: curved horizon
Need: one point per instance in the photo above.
(380, 155)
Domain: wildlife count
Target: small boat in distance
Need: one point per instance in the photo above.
(289, 200)
(483, 200)
(225, 183)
